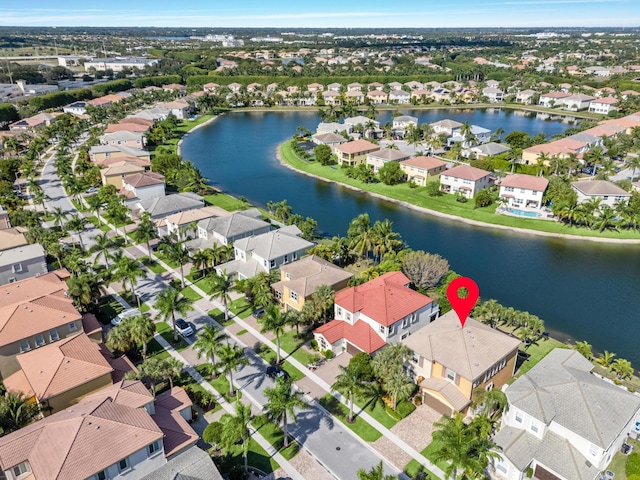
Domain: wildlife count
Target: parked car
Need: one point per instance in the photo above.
(184, 328)
(274, 372)
(92, 190)
(132, 312)
(259, 312)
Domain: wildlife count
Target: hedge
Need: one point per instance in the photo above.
(59, 99)
(111, 87)
(8, 113)
(157, 81)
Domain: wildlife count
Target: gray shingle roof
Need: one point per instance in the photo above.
(561, 389)
(238, 223)
(21, 254)
(169, 204)
(192, 464)
(599, 187)
(273, 244)
(492, 148)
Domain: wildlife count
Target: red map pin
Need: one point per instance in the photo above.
(463, 306)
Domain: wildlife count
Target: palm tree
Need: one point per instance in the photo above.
(492, 402)
(605, 358)
(622, 368)
(230, 358)
(236, 429)
(376, 473)
(281, 405)
(168, 303)
(152, 370)
(95, 203)
(85, 289)
(386, 240)
(59, 216)
(585, 349)
(606, 219)
(141, 329)
(145, 231)
(349, 383)
(177, 252)
(398, 386)
(202, 260)
(16, 412)
(102, 245)
(129, 270)
(208, 343)
(273, 321)
(221, 285)
(172, 368)
(76, 224)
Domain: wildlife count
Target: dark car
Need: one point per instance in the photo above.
(258, 312)
(276, 372)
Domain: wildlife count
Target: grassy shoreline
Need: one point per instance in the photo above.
(446, 206)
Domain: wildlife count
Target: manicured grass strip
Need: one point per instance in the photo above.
(154, 266)
(191, 294)
(217, 315)
(241, 307)
(445, 203)
(270, 356)
(221, 384)
(359, 427)
(171, 264)
(154, 349)
(166, 331)
(227, 202)
(108, 308)
(241, 332)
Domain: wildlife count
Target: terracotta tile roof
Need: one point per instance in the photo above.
(385, 299)
(528, 182)
(143, 179)
(61, 366)
(127, 127)
(90, 324)
(12, 238)
(76, 443)
(628, 122)
(106, 99)
(423, 162)
(137, 120)
(360, 334)
(177, 432)
(130, 393)
(606, 101)
(357, 146)
(599, 187)
(558, 147)
(466, 173)
(604, 130)
(469, 352)
(35, 305)
(554, 95)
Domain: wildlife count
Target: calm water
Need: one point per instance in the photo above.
(582, 290)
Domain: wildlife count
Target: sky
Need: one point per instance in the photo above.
(324, 13)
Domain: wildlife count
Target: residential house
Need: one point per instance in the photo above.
(525, 96)
(315, 87)
(395, 86)
(377, 97)
(466, 180)
(418, 169)
(127, 127)
(447, 127)
(142, 186)
(234, 87)
(376, 160)
(106, 100)
(421, 94)
(113, 173)
(399, 96)
(332, 127)
(265, 252)
(380, 311)
(210, 87)
(522, 190)
(608, 192)
(175, 88)
(562, 422)
(33, 312)
(590, 140)
(560, 148)
(300, 279)
(401, 122)
(99, 153)
(116, 433)
(178, 108)
(605, 130)
(577, 102)
(490, 149)
(21, 262)
(355, 96)
(154, 113)
(32, 124)
(552, 99)
(375, 86)
(361, 121)
(603, 105)
(477, 136)
(413, 85)
(125, 138)
(184, 224)
(354, 87)
(161, 207)
(76, 108)
(226, 229)
(494, 95)
(450, 361)
(331, 139)
(331, 97)
(354, 153)
(334, 87)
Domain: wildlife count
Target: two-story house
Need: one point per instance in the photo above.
(161, 207)
(100, 153)
(465, 179)
(558, 148)
(125, 138)
(300, 279)
(603, 105)
(552, 99)
(354, 153)
(608, 192)
(184, 224)
(401, 122)
(142, 186)
(419, 169)
(330, 138)
(265, 252)
(18, 259)
(493, 94)
(577, 102)
(376, 160)
(380, 311)
(449, 361)
(522, 190)
(447, 127)
(116, 433)
(563, 422)
(226, 229)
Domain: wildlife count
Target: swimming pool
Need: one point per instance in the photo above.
(524, 213)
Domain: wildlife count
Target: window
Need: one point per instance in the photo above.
(593, 450)
(606, 197)
(500, 465)
(123, 464)
(273, 264)
(348, 316)
(339, 310)
(278, 295)
(508, 189)
(101, 475)
(73, 326)
(154, 447)
(286, 259)
(382, 329)
(294, 255)
(287, 276)
(534, 427)
(20, 469)
(519, 417)
(294, 295)
(24, 345)
(405, 322)
(414, 317)
(12, 280)
(39, 340)
(17, 268)
(451, 375)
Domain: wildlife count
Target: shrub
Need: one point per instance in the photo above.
(433, 188)
(484, 198)
(328, 354)
(314, 344)
(405, 408)
(417, 401)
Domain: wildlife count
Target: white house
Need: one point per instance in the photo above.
(563, 422)
(125, 138)
(376, 160)
(465, 179)
(577, 102)
(522, 190)
(525, 96)
(227, 229)
(403, 121)
(143, 186)
(448, 127)
(608, 193)
(552, 99)
(603, 105)
(76, 108)
(367, 317)
(493, 94)
(399, 96)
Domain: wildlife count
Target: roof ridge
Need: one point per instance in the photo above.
(66, 456)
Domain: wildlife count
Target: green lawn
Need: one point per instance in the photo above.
(191, 294)
(413, 466)
(170, 146)
(536, 353)
(203, 284)
(619, 461)
(108, 308)
(221, 384)
(241, 332)
(445, 203)
(154, 349)
(154, 266)
(359, 427)
(270, 356)
(241, 307)
(171, 264)
(166, 331)
(227, 202)
(217, 315)
(273, 434)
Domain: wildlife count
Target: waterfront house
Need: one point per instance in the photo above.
(559, 148)
(608, 192)
(330, 138)
(465, 179)
(331, 97)
(265, 252)
(447, 127)
(227, 229)
(525, 96)
(493, 94)
(376, 160)
(399, 96)
(419, 169)
(448, 362)
(377, 97)
(142, 186)
(161, 207)
(401, 122)
(118, 432)
(354, 153)
(522, 190)
(552, 99)
(355, 96)
(603, 105)
(184, 224)
(178, 108)
(300, 279)
(362, 122)
(563, 422)
(127, 127)
(380, 311)
(577, 102)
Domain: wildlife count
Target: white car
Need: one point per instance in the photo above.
(184, 328)
(132, 312)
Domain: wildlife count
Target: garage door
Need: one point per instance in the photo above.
(352, 349)
(544, 474)
(436, 404)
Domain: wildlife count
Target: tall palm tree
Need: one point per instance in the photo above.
(85, 289)
(385, 239)
(172, 368)
(236, 430)
(230, 358)
(129, 270)
(177, 252)
(281, 405)
(273, 321)
(221, 286)
(376, 473)
(76, 224)
(168, 303)
(141, 329)
(102, 245)
(399, 386)
(145, 232)
(208, 343)
(59, 216)
(349, 383)
(493, 402)
(16, 412)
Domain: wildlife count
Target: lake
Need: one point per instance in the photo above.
(583, 290)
